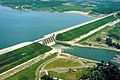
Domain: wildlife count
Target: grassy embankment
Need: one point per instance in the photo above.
(86, 38)
(16, 57)
(74, 33)
(110, 31)
(29, 73)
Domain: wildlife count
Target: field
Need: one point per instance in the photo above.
(66, 67)
(16, 57)
(74, 33)
(60, 62)
(69, 75)
(29, 73)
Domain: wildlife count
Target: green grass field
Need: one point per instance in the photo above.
(68, 75)
(74, 33)
(16, 57)
(61, 62)
(29, 73)
(86, 38)
(109, 31)
(73, 74)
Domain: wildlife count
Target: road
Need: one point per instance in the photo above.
(25, 65)
(65, 69)
(42, 68)
(38, 71)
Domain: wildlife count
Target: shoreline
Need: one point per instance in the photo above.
(97, 47)
(78, 12)
(100, 48)
(80, 57)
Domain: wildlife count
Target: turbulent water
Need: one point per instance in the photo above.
(19, 26)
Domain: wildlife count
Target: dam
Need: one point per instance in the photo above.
(26, 26)
(47, 39)
(50, 39)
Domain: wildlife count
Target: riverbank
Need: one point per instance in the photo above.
(89, 52)
(85, 59)
(116, 60)
(97, 47)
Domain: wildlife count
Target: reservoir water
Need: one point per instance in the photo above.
(20, 26)
(92, 53)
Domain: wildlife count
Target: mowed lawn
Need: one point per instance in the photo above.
(16, 57)
(74, 33)
(61, 62)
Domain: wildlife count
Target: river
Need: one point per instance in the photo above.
(92, 53)
(20, 26)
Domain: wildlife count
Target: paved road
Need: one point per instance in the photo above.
(65, 69)
(38, 71)
(24, 65)
(61, 69)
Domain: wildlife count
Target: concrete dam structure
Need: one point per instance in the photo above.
(47, 39)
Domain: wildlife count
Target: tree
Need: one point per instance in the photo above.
(98, 39)
(103, 71)
(46, 77)
(109, 41)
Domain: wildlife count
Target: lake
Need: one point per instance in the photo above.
(20, 26)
